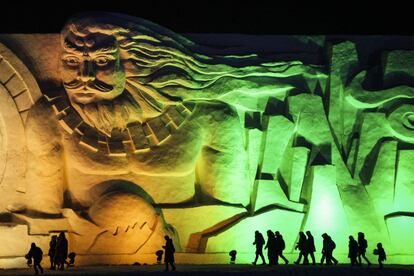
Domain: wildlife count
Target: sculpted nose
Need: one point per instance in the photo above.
(86, 73)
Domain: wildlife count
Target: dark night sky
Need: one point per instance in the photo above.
(268, 17)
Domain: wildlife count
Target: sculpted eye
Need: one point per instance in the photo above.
(102, 61)
(71, 60)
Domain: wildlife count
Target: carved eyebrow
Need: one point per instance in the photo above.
(107, 50)
(76, 50)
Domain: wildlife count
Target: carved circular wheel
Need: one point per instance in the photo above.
(18, 92)
(3, 148)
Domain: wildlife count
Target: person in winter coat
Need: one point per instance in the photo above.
(353, 250)
(36, 254)
(301, 245)
(169, 253)
(259, 242)
(310, 246)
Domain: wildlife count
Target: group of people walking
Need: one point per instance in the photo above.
(358, 248)
(58, 253)
(274, 245)
(306, 246)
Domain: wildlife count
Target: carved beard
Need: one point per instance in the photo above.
(116, 114)
(108, 115)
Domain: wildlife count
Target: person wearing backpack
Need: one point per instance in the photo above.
(259, 242)
(280, 246)
(381, 254)
(362, 248)
(271, 247)
(327, 250)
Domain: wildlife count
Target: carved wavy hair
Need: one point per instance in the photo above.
(169, 67)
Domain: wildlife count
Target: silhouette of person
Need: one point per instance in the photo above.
(169, 253)
(159, 254)
(301, 245)
(259, 242)
(271, 247)
(280, 246)
(37, 254)
(381, 254)
(61, 251)
(52, 250)
(353, 250)
(327, 250)
(310, 246)
(233, 255)
(362, 248)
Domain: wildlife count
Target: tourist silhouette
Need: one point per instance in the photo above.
(301, 245)
(362, 248)
(353, 250)
(381, 254)
(259, 242)
(71, 257)
(52, 252)
(61, 251)
(233, 255)
(271, 247)
(36, 254)
(310, 246)
(280, 246)
(159, 254)
(169, 253)
(327, 250)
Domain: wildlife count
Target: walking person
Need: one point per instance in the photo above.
(169, 253)
(301, 245)
(36, 254)
(327, 250)
(310, 246)
(362, 248)
(271, 247)
(61, 252)
(353, 250)
(280, 246)
(52, 252)
(259, 242)
(381, 254)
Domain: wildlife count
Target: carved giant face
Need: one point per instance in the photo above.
(92, 70)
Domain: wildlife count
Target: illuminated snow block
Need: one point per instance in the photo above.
(293, 170)
(269, 192)
(255, 98)
(404, 184)
(310, 119)
(400, 229)
(342, 115)
(373, 130)
(278, 135)
(398, 65)
(241, 236)
(254, 141)
(192, 223)
(326, 213)
(16, 241)
(381, 186)
(44, 226)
